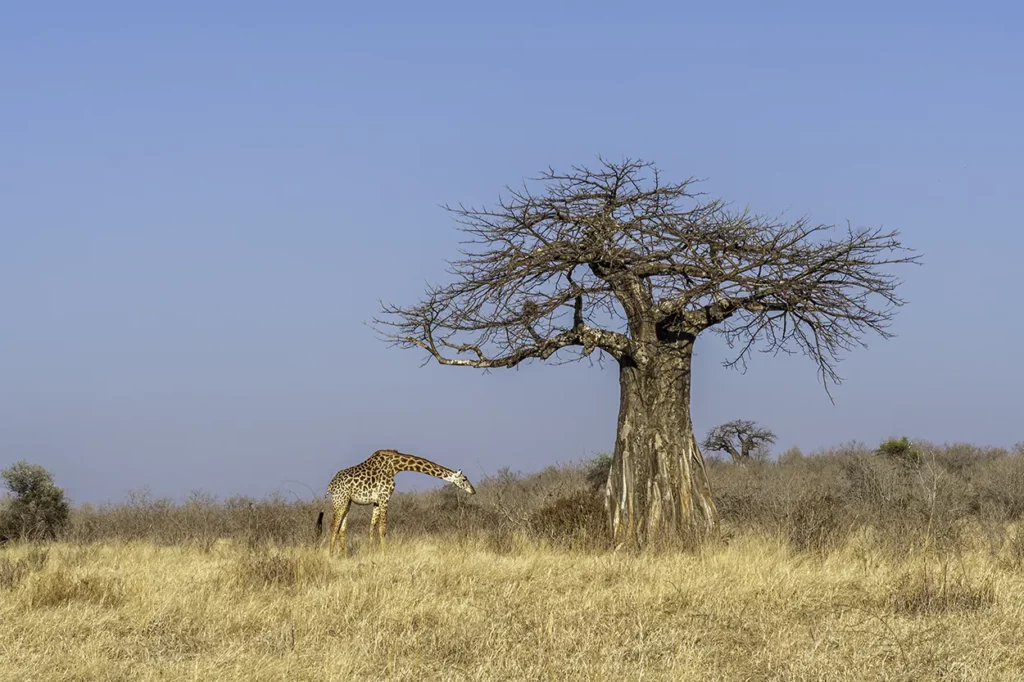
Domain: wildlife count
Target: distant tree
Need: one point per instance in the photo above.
(740, 438)
(615, 259)
(37, 507)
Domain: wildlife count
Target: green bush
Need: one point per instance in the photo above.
(597, 470)
(899, 449)
(37, 507)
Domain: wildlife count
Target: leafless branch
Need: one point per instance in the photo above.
(616, 259)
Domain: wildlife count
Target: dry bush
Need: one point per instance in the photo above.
(577, 520)
(200, 521)
(815, 524)
(439, 512)
(812, 501)
(927, 493)
(999, 487)
(503, 503)
(938, 590)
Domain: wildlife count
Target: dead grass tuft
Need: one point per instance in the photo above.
(61, 587)
(263, 567)
(14, 571)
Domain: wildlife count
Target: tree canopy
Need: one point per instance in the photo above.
(37, 507)
(614, 258)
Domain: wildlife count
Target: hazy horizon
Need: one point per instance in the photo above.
(201, 207)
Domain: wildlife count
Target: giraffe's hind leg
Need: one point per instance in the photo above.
(341, 507)
(383, 521)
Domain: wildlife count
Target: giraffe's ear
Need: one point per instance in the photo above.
(459, 472)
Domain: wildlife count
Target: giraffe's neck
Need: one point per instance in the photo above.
(424, 466)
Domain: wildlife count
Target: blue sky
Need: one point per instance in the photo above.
(200, 207)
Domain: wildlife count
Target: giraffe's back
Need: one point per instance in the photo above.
(368, 482)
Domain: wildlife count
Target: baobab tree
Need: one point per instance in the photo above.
(740, 438)
(615, 260)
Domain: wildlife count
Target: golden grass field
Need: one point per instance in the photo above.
(749, 609)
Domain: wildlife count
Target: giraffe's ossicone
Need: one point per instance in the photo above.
(373, 482)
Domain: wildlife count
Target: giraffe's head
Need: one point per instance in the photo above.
(459, 479)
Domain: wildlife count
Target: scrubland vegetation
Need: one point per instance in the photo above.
(901, 563)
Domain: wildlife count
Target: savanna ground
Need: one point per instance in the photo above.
(848, 565)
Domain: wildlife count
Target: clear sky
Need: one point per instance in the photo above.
(201, 205)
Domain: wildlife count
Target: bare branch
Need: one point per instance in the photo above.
(616, 259)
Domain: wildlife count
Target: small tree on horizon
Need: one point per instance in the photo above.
(617, 260)
(36, 508)
(741, 439)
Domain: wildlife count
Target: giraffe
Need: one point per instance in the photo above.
(372, 482)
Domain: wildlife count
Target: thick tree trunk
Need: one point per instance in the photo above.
(658, 488)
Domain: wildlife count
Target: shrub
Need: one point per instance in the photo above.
(899, 449)
(813, 500)
(597, 470)
(38, 508)
(577, 519)
(791, 455)
(814, 524)
(937, 590)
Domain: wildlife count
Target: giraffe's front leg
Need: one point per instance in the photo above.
(373, 522)
(335, 526)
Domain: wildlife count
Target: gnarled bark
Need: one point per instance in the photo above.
(657, 486)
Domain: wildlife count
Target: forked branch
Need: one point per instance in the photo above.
(618, 260)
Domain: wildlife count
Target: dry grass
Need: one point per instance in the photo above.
(848, 565)
(451, 609)
(13, 571)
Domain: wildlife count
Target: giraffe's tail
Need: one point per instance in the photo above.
(320, 518)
